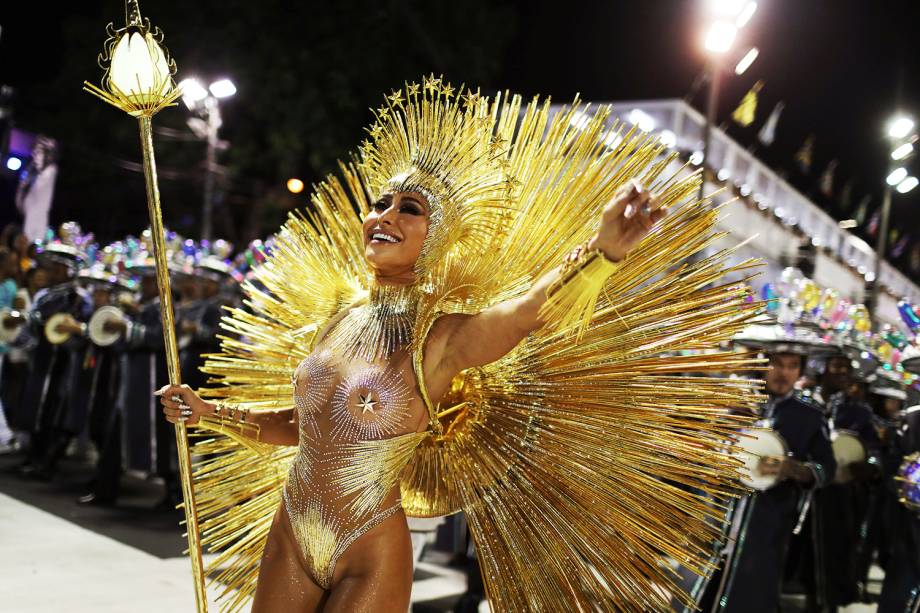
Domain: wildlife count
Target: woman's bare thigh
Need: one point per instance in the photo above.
(283, 583)
(375, 572)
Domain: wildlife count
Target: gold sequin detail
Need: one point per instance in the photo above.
(312, 381)
(369, 469)
(372, 403)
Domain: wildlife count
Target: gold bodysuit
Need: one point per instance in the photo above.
(358, 412)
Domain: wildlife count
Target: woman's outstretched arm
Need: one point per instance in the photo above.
(182, 403)
(458, 342)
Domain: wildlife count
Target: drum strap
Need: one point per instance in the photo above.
(803, 512)
(732, 551)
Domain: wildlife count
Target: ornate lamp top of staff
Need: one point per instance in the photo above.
(138, 76)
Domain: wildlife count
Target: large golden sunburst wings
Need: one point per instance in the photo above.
(584, 467)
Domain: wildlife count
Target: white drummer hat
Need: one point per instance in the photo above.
(886, 383)
(910, 359)
(770, 336)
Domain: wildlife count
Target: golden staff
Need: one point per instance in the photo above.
(138, 79)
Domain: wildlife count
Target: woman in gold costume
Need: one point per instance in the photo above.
(476, 318)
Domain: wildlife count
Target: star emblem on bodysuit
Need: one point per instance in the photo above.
(366, 403)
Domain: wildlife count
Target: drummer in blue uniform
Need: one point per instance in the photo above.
(845, 504)
(105, 358)
(144, 444)
(47, 400)
(886, 396)
(751, 573)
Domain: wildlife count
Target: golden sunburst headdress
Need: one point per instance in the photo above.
(439, 142)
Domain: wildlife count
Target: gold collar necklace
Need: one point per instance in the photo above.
(382, 325)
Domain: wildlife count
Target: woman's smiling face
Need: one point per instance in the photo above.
(394, 232)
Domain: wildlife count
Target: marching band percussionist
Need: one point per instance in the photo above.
(102, 383)
(844, 505)
(144, 443)
(47, 398)
(762, 525)
(199, 319)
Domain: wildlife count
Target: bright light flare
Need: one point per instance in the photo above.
(579, 120)
(902, 151)
(730, 8)
(900, 127)
(13, 163)
(746, 61)
(745, 15)
(192, 91)
(295, 186)
(720, 37)
(224, 88)
(668, 138)
(907, 184)
(613, 140)
(642, 120)
(897, 175)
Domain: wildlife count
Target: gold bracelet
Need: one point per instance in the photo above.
(579, 261)
(225, 410)
(570, 299)
(225, 420)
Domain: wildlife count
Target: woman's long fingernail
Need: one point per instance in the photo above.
(159, 392)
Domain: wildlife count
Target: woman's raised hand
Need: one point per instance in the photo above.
(181, 403)
(626, 221)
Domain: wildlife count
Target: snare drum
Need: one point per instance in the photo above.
(754, 445)
(848, 450)
(97, 332)
(8, 335)
(54, 337)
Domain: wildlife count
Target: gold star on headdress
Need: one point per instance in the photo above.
(432, 84)
(383, 112)
(367, 404)
(412, 89)
(448, 91)
(396, 98)
(471, 99)
(376, 130)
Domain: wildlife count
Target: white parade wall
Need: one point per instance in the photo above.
(764, 209)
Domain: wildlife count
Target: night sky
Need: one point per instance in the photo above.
(306, 72)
